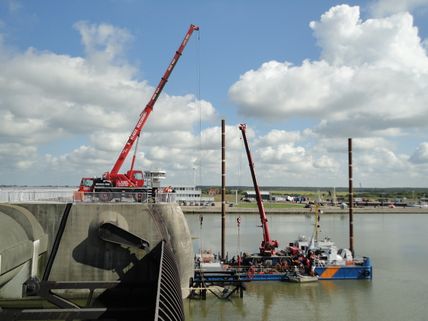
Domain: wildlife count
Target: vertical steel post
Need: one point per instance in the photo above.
(223, 187)
(351, 198)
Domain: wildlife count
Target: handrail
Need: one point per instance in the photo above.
(20, 196)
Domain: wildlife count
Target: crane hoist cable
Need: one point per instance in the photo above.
(201, 222)
(135, 152)
(198, 52)
(238, 224)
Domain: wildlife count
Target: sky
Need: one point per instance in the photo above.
(303, 75)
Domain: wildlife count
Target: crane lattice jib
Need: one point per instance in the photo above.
(149, 107)
(267, 241)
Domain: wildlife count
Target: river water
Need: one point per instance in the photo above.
(396, 243)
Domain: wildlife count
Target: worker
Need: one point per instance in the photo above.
(166, 191)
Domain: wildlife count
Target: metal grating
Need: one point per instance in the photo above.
(169, 301)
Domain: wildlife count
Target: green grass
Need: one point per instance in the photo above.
(373, 194)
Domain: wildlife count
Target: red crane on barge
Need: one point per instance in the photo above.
(132, 183)
(268, 246)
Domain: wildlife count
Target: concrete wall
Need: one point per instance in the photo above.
(82, 256)
(22, 243)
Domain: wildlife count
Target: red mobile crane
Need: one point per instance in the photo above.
(268, 246)
(113, 182)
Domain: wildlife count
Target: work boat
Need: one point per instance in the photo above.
(330, 263)
(304, 260)
(327, 261)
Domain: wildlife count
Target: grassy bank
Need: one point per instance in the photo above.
(411, 195)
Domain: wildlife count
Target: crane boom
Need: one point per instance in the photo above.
(149, 107)
(268, 245)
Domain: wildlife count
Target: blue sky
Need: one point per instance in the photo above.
(304, 76)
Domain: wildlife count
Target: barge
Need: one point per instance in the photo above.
(301, 261)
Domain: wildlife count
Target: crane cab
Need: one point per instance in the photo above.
(136, 177)
(87, 184)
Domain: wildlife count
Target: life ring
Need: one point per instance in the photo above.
(251, 272)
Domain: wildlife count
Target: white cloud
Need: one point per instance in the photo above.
(381, 159)
(179, 113)
(371, 79)
(62, 92)
(284, 153)
(276, 136)
(275, 90)
(103, 42)
(420, 156)
(369, 83)
(391, 42)
(16, 151)
(387, 7)
(326, 163)
(47, 98)
(15, 157)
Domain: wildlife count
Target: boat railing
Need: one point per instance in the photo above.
(36, 195)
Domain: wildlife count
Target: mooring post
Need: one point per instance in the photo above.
(351, 198)
(223, 187)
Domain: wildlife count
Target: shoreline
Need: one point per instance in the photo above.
(325, 210)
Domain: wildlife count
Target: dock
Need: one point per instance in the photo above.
(229, 283)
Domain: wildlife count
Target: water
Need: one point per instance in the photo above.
(396, 243)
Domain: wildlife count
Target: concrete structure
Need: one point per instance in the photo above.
(83, 256)
(22, 243)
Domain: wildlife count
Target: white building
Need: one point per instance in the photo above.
(190, 195)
